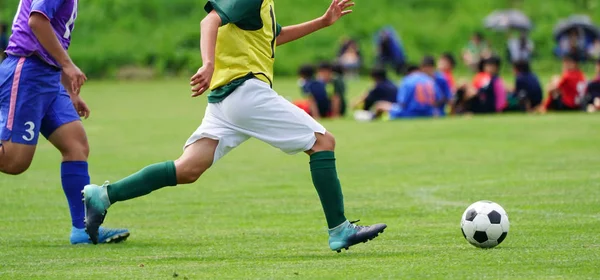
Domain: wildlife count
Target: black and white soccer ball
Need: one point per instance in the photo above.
(485, 224)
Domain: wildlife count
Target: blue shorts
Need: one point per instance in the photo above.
(32, 100)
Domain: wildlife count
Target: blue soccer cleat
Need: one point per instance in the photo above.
(96, 202)
(106, 235)
(349, 234)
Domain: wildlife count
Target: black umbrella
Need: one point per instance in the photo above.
(576, 22)
(503, 20)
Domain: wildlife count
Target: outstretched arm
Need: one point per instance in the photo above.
(337, 9)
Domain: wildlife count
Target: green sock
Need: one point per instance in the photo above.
(325, 179)
(145, 181)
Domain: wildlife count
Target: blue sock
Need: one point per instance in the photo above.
(75, 176)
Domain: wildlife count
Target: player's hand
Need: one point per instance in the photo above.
(80, 106)
(73, 78)
(200, 82)
(338, 9)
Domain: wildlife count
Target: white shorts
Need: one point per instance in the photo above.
(256, 110)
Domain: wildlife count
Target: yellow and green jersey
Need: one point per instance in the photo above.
(245, 44)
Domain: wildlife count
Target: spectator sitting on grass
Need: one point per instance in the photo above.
(482, 77)
(527, 94)
(592, 93)
(417, 96)
(491, 98)
(442, 87)
(336, 89)
(466, 91)
(446, 64)
(563, 92)
(339, 84)
(317, 103)
(381, 96)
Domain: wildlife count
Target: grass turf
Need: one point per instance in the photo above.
(256, 214)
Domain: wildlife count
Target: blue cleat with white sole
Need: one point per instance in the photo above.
(106, 235)
(96, 203)
(349, 234)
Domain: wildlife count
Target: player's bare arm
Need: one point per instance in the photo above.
(41, 27)
(209, 28)
(80, 106)
(337, 10)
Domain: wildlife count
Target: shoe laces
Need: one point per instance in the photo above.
(354, 225)
(105, 185)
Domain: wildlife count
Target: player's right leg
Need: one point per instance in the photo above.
(196, 159)
(211, 141)
(26, 90)
(15, 158)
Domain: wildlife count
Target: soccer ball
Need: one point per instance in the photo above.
(485, 224)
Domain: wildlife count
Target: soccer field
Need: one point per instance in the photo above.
(256, 214)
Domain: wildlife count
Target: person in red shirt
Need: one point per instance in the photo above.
(446, 64)
(564, 94)
(482, 78)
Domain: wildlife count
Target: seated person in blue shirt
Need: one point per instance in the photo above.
(317, 102)
(528, 94)
(428, 67)
(382, 95)
(336, 87)
(418, 96)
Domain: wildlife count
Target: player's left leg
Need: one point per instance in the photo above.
(274, 120)
(342, 233)
(62, 127)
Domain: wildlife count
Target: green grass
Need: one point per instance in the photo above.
(256, 214)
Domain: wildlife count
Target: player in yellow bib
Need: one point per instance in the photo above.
(238, 43)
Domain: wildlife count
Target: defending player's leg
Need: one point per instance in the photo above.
(26, 90)
(15, 158)
(196, 158)
(342, 233)
(62, 127)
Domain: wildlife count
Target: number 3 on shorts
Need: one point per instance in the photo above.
(29, 130)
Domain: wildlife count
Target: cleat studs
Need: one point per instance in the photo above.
(339, 251)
